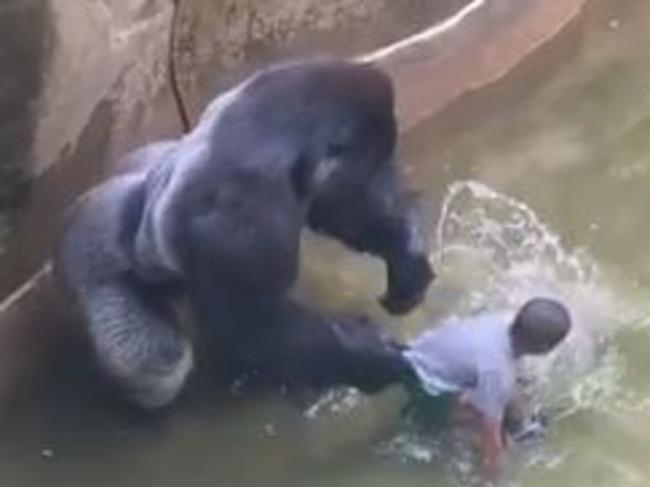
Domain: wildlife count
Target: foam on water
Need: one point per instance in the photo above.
(338, 401)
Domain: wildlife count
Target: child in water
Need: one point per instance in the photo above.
(474, 363)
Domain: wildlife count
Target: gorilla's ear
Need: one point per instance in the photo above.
(302, 176)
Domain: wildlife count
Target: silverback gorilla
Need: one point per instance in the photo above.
(216, 216)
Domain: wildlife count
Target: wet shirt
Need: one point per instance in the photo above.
(473, 355)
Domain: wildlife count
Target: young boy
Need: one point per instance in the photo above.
(474, 361)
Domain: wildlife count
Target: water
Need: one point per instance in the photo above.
(546, 193)
(494, 252)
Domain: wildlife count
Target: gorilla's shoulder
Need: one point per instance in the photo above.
(322, 78)
(143, 159)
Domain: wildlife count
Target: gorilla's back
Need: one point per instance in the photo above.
(99, 232)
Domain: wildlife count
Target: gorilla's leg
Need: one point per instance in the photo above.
(136, 345)
(376, 216)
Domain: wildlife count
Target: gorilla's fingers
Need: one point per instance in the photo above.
(409, 277)
(136, 347)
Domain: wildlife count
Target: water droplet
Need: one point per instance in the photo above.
(270, 430)
(47, 453)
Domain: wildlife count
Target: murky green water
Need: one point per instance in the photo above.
(558, 204)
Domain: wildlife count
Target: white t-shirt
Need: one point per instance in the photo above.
(474, 356)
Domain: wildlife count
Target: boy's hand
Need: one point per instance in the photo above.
(492, 438)
(465, 410)
(492, 448)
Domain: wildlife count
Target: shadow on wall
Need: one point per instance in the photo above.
(24, 37)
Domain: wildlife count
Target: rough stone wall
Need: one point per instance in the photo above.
(113, 50)
(84, 81)
(25, 35)
(219, 41)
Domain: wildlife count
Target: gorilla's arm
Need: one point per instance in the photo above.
(377, 217)
(279, 342)
(129, 322)
(325, 350)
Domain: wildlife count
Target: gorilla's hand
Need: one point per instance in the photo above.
(299, 347)
(409, 276)
(371, 358)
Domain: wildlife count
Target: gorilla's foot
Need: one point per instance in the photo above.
(158, 384)
(149, 363)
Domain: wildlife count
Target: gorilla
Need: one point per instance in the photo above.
(216, 217)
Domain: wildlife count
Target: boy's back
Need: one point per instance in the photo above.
(472, 356)
(475, 360)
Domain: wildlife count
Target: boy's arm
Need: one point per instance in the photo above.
(492, 445)
(514, 417)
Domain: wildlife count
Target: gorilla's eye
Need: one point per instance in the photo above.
(301, 176)
(207, 201)
(336, 150)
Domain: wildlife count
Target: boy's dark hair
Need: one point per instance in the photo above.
(539, 326)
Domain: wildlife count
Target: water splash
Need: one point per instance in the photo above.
(518, 258)
(508, 236)
(493, 252)
(448, 448)
(496, 252)
(335, 402)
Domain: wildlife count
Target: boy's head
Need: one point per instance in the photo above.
(539, 326)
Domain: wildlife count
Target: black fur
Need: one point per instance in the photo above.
(217, 215)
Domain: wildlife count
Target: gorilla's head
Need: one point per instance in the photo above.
(296, 141)
(331, 120)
